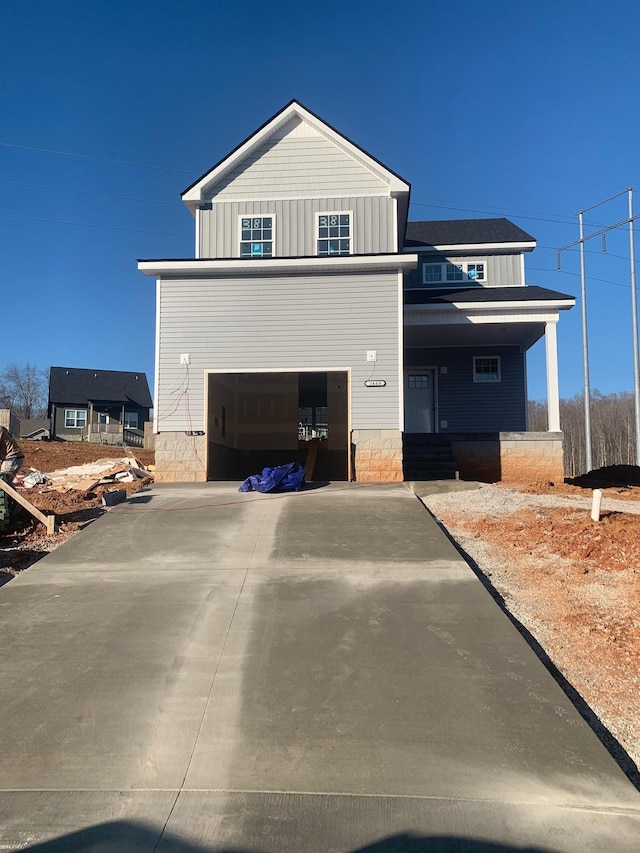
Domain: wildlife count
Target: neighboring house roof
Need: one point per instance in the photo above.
(34, 425)
(456, 232)
(194, 194)
(81, 386)
(460, 296)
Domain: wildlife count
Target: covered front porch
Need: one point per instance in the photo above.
(465, 383)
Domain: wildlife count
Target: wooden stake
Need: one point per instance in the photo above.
(49, 521)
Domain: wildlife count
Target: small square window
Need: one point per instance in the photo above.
(419, 381)
(431, 273)
(131, 420)
(486, 368)
(475, 272)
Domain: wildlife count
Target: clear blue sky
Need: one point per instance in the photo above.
(521, 109)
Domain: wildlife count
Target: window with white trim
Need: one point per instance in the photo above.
(334, 233)
(476, 272)
(452, 273)
(75, 418)
(431, 273)
(486, 368)
(257, 236)
(131, 420)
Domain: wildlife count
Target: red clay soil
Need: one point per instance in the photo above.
(27, 542)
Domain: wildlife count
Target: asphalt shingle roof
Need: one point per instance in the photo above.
(78, 385)
(447, 296)
(452, 232)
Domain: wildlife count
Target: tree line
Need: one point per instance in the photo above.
(24, 389)
(612, 429)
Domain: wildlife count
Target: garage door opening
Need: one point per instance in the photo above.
(257, 420)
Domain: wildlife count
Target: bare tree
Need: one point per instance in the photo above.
(23, 389)
(612, 429)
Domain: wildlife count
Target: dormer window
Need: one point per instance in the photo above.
(257, 236)
(475, 272)
(334, 233)
(453, 274)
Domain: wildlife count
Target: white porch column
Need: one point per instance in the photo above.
(553, 388)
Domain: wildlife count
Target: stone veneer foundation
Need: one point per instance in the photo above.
(377, 455)
(511, 457)
(180, 458)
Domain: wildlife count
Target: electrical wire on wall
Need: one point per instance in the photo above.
(180, 396)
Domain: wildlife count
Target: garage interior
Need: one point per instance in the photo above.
(258, 420)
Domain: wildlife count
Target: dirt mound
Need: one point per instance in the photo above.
(611, 475)
(27, 542)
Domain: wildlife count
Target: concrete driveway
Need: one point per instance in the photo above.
(202, 670)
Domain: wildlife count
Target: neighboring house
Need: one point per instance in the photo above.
(314, 310)
(100, 406)
(35, 429)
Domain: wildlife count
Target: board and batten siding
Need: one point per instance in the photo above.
(303, 163)
(242, 324)
(501, 270)
(373, 224)
(470, 406)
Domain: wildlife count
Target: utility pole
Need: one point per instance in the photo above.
(634, 314)
(634, 321)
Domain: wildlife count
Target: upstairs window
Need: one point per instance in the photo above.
(475, 272)
(257, 236)
(334, 234)
(453, 274)
(486, 368)
(432, 273)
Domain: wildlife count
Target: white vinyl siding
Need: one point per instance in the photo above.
(297, 166)
(373, 225)
(315, 321)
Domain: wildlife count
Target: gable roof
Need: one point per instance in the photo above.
(456, 232)
(80, 386)
(194, 194)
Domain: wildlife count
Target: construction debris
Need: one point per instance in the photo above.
(85, 478)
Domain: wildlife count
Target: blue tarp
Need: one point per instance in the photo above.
(284, 478)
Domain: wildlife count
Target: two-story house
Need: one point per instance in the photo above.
(313, 312)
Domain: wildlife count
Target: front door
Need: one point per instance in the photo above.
(419, 400)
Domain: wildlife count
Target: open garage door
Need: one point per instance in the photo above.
(266, 419)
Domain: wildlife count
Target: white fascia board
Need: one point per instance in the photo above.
(453, 317)
(194, 195)
(499, 307)
(240, 266)
(474, 248)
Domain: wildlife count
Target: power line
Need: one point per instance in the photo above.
(90, 192)
(577, 274)
(98, 159)
(92, 225)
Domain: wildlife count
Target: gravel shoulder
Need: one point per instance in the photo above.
(573, 584)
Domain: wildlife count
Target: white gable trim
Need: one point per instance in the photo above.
(195, 194)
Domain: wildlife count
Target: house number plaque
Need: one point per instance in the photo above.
(375, 383)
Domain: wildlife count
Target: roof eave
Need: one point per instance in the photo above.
(239, 266)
